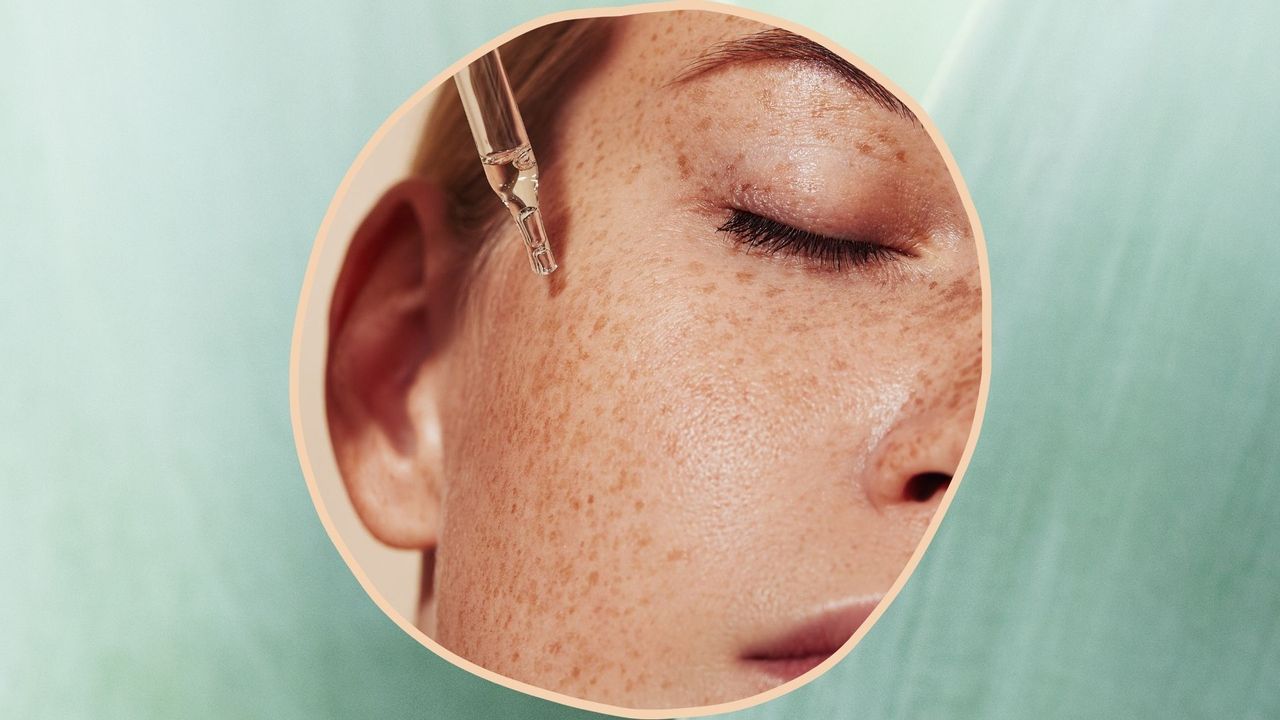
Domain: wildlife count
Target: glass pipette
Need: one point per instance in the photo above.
(504, 150)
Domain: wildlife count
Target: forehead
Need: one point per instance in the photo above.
(654, 48)
(666, 60)
(667, 41)
(688, 44)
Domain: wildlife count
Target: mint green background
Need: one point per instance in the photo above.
(1114, 551)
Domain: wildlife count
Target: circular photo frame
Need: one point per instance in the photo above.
(683, 467)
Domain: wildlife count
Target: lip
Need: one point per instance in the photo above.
(811, 641)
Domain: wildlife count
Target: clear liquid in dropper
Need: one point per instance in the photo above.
(513, 175)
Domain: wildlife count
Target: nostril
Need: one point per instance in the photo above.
(922, 487)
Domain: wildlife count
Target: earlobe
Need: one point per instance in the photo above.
(388, 332)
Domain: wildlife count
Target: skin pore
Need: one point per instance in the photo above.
(683, 446)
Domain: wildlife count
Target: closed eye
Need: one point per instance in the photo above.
(770, 237)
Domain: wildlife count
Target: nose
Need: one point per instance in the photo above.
(914, 463)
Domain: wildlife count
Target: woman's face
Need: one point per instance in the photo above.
(681, 470)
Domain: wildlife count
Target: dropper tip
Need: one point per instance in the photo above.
(541, 259)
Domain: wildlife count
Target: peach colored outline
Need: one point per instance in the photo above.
(310, 334)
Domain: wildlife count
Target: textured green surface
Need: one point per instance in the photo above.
(162, 174)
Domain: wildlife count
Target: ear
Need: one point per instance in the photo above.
(389, 326)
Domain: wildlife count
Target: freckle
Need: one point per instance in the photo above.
(704, 124)
(900, 156)
(677, 555)
(591, 499)
(683, 162)
(639, 504)
(593, 578)
(696, 267)
(708, 288)
(864, 148)
(955, 290)
(600, 323)
(745, 276)
(773, 292)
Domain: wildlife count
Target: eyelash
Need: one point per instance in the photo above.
(756, 232)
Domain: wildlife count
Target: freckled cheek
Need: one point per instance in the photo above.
(945, 326)
(554, 472)
(736, 363)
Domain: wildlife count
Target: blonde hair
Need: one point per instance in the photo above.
(544, 65)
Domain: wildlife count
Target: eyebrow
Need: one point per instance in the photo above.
(778, 44)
